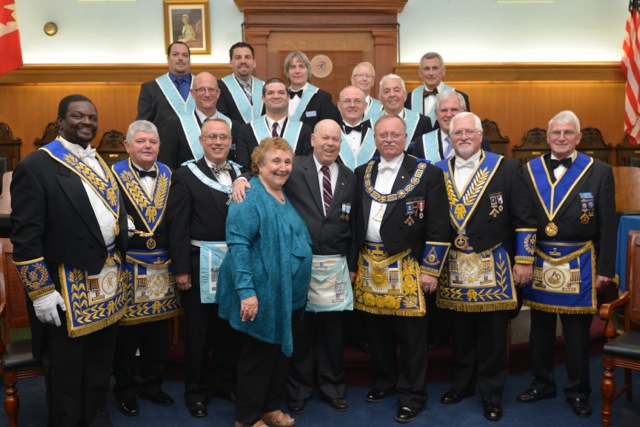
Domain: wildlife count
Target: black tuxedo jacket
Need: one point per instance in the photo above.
(194, 211)
(601, 229)
(396, 235)
(247, 142)
(153, 105)
(424, 126)
(320, 107)
(332, 234)
(174, 147)
(227, 106)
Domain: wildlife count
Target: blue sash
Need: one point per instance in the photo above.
(180, 106)
(553, 195)
(307, 94)
(211, 256)
(150, 207)
(192, 131)
(430, 145)
(563, 278)
(417, 101)
(291, 131)
(149, 287)
(367, 150)
(330, 288)
(374, 109)
(248, 111)
(212, 183)
(106, 188)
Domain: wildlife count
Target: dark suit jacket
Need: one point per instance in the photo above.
(601, 229)
(227, 106)
(424, 126)
(247, 142)
(332, 234)
(194, 211)
(320, 107)
(396, 235)
(484, 230)
(153, 105)
(174, 147)
(52, 218)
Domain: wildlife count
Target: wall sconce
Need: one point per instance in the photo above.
(50, 29)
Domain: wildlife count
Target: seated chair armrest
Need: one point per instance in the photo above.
(606, 310)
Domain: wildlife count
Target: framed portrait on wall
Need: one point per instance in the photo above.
(187, 21)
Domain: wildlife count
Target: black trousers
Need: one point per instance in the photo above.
(262, 375)
(152, 339)
(77, 374)
(324, 331)
(407, 375)
(480, 352)
(542, 341)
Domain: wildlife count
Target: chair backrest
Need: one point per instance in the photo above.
(12, 292)
(632, 285)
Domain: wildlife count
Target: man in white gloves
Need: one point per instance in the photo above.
(69, 236)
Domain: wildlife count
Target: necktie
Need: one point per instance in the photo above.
(274, 130)
(220, 168)
(142, 173)
(447, 151)
(183, 86)
(429, 92)
(564, 162)
(327, 194)
(293, 93)
(247, 91)
(348, 129)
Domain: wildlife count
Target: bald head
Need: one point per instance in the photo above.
(326, 140)
(205, 92)
(351, 103)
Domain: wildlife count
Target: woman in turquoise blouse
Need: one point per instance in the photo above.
(263, 284)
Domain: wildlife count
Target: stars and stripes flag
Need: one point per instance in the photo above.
(631, 70)
(10, 51)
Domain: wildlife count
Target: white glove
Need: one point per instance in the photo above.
(46, 307)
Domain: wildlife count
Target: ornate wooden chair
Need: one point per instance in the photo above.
(498, 142)
(50, 133)
(533, 145)
(111, 147)
(16, 360)
(592, 144)
(623, 347)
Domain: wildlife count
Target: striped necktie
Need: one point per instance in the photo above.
(327, 194)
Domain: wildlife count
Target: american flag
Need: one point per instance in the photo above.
(630, 68)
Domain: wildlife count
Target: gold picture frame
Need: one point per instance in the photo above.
(187, 21)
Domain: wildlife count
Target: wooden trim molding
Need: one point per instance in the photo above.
(315, 6)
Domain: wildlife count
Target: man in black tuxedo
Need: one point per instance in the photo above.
(152, 297)
(493, 237)
(309, 104)
(403, 237)
(180, 136)
(168, 95)
(393, 93)
(324, 200)
(423, 98)
(581, 215)
(196, 215)
(240, 91)
(69, 238)
(358, 145)
(275, 122)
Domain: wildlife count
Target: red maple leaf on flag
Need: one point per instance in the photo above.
(6, 14)
(10, 50)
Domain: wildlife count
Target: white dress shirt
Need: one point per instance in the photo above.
(295, 101)
(464, 170)
(387, 173)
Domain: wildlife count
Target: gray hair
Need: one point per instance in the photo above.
(141, 126)
(302, 57)
(366, 64)
(463, 115)
(392, 76)
(446, 96)
(565, 117)
(431, 55)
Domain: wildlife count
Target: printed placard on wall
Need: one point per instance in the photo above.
(187, 21)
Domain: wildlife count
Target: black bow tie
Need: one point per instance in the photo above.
(348, 129)
(219, 168)
(142, 174)
(429, 92)
(293, 93)
(564, 162)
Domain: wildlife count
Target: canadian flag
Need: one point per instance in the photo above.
(10, 51)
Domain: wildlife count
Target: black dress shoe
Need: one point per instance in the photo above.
(158, 397)
(580, 406)
(198, 410)
(339, 404)
(533, 395)
(375, 396)
(453, 396)
(229, 396)
(493, 411)
(296, 406)
(406, 414)
(129, 407)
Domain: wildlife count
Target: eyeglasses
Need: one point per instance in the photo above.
(351, 101)
(390, 135)
(203, 90)
(465, 132)
(363, 76)
(567, 133)
(222, 137)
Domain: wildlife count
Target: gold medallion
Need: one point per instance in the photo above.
(151, 243)
(462, 242)
(551, 229)
(116, 227)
